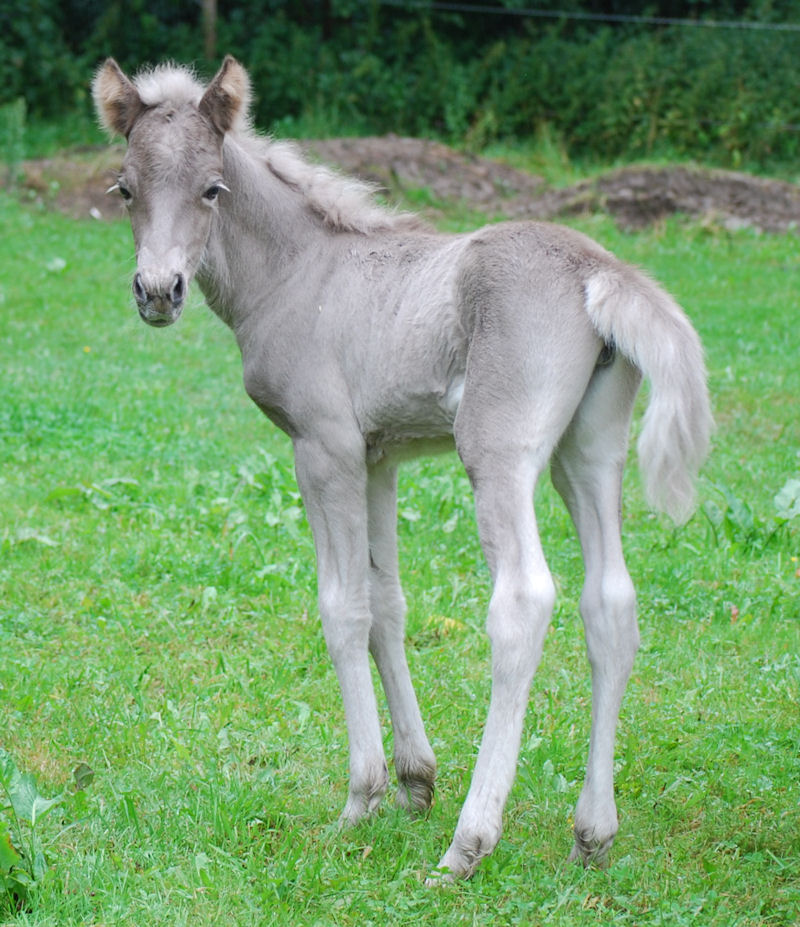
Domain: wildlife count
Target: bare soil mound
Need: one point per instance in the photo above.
(635, 196)
(638, 196)
(76, 182)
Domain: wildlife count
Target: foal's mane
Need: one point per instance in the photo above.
(343, 203)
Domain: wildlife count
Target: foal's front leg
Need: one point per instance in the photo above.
(414, 761)
(332, 478)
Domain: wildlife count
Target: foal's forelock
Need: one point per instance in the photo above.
(171, 144)
(168, 83)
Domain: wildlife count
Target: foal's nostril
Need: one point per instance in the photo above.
(154, 292)
(139, 292)
(178, 291)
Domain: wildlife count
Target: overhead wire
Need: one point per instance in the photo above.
(581, 15)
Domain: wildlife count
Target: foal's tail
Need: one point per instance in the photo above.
(649, 328)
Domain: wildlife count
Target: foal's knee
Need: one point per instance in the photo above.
(346, 622)
(388, 608)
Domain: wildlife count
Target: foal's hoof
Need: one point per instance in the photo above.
(415, 796)
(452, 868)
(590, 852)
(415, 800)
(448, 872)
(439, 878)
(462, 858)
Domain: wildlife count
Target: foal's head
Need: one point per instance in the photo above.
(171, 176)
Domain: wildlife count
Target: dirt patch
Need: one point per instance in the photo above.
(638, 197)
(76, 183)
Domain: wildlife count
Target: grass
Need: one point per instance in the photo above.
(158, 624)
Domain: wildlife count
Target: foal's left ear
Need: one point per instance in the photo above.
(227, 97)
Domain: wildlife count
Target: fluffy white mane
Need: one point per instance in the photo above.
(344, 203)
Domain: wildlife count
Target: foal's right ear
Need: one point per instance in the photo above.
(116, 100)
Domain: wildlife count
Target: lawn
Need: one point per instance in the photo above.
(158, 630)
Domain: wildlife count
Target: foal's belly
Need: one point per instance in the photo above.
(408, 449)
(412, 424)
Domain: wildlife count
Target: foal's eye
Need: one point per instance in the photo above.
(214, 191)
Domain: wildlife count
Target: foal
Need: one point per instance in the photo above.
(367, 337)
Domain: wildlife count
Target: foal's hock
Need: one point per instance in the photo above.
(368, 337)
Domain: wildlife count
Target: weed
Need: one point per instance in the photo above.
(22, 850)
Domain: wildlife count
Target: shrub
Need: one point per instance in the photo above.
(613, 91)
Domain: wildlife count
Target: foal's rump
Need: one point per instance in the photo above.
(546, 306)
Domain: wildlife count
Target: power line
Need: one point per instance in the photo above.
(617, 18)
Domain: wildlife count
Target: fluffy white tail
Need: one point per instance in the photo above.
(650, 329)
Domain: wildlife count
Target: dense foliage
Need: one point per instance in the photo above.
(604, 81)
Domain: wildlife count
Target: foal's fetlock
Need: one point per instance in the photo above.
(364, 798)
(415, 786)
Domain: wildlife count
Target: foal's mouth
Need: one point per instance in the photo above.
(158, 318)
(159, 323)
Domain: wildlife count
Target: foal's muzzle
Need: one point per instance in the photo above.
(160, 303)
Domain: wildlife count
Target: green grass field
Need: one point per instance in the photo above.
(158, 624)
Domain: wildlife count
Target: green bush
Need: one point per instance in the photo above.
(35, 62)
(621, 90)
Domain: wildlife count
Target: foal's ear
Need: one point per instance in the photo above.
(116, 100)
(227, 97)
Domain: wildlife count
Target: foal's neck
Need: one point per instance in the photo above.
(261, 227)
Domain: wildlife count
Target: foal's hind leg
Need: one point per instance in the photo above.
(519, 613)
(514, 410)
(587, 472)
(413, 758)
